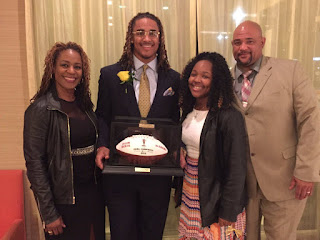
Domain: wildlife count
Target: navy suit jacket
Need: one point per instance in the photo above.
(115, 99)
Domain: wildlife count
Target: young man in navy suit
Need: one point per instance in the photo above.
(137, 205)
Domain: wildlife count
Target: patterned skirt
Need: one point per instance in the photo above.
(190, 219)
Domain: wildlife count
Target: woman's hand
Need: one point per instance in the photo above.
(183, 154)
(223, 222)
(102, 154)
(56, 227)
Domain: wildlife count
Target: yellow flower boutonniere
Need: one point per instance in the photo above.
(126, 77)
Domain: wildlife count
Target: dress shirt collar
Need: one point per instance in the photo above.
(256, 67)
(138, 64)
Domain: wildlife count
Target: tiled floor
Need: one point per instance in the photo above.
(171, 228)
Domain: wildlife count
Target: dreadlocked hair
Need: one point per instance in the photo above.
(221, 90)
(82, 91)
(126, 59)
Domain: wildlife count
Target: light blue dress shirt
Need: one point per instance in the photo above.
(152, 76)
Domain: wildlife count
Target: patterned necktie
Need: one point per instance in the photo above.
(246, 88)
(144, 93)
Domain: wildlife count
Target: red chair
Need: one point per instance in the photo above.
(12, 221)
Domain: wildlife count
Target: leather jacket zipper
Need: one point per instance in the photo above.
(73, 196)
(95, 166)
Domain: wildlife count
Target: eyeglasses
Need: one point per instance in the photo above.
(142, 33)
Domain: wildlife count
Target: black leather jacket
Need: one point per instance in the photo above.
(46, 144)
(222, 166)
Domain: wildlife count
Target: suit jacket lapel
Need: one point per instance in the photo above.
(260, 80)
(129, 94)
(207, 125)
(161, 87)
(133, 107)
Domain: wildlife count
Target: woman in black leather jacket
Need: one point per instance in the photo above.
(60, 134)
(213, 194)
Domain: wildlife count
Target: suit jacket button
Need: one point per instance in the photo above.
(253, 154)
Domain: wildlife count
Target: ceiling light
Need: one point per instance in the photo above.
(238, 16)
(220, 37)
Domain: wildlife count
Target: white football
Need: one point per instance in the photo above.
(142, 149)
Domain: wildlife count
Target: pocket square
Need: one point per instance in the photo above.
(168, 92)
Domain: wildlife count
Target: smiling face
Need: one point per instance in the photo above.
(145, 47)
(200, 81)
(68, 73)
(247, 44)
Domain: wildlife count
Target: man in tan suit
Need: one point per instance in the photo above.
(283, 124)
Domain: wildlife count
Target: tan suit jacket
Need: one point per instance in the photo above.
(283, 125)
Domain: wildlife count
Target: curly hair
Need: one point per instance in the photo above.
(82, 92)
(221, 91)
(126, 59)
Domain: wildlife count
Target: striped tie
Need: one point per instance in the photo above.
(144, 93)
(246, 88)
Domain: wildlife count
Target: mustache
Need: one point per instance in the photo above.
(242, 52)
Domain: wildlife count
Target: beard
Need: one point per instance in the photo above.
(244, 64)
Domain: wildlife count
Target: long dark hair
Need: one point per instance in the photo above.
(82, 93)
(126, 59)
(221, 91)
